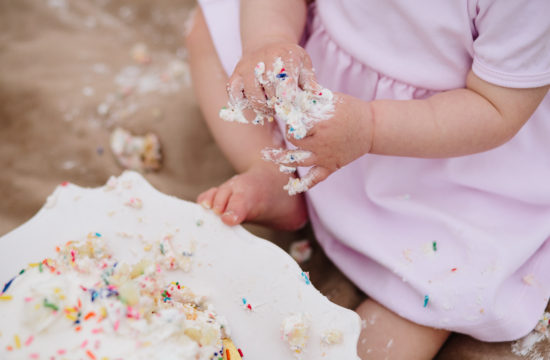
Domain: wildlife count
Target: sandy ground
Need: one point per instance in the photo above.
(68, 77)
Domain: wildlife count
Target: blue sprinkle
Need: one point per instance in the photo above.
(95, 294)
(426, 299)
(306, 279)
(244, 301)
(281, 75)
(97, 234)
(7, 285)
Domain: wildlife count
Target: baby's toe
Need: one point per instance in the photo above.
(206, 199)
(220, 199)
(236, 210)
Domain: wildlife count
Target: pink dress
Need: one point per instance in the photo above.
(461, 243)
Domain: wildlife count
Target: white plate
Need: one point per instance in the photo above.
(229, 262)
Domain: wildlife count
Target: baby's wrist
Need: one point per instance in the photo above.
(253, 45)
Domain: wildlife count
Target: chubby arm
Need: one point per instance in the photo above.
(458, 122)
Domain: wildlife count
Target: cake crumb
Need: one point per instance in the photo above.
(331, 337)
(135, 203)
(295, 329)
(301, 251)
(140, 153)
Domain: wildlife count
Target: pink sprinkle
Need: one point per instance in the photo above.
(132, 313)
(61, 351)
(29, 340)
(64, 183)
(97, 330)
(28, 299)
(116, 324)
(34, 356)
(84, 344)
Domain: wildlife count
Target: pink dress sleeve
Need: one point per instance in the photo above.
(512, 47)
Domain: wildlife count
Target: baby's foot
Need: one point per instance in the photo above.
(257, 195)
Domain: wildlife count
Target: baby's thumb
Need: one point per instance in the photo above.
(307, 80)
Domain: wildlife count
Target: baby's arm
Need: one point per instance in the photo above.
(458, 122)
(270, 31)
(268, 21)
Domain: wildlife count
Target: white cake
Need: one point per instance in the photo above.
(125, 272)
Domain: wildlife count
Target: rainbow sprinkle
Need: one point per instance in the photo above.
(306, 278)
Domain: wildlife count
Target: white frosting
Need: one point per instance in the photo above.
(299, 108)
(105, 308)
(299, 185)
(223, 264)
(281, 156)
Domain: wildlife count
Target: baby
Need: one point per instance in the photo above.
(426, 168)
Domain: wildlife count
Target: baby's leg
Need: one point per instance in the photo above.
(386, 335)
(257, 193)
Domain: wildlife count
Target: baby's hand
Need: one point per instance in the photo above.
(329, 144)
(256, 81)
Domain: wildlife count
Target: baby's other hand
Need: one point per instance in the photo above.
(251, 86)
(332, 143)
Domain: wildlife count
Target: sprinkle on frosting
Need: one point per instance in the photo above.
(86, 292)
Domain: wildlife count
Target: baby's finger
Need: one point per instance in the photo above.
(254, 92)
(315, 175)
(297, 130)
(307, 81)
(235, 92)
(289, 157)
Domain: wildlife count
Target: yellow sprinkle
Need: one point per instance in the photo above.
(17, 341)
(70, 317)
(6, 297)
(104, 358)
(57, 290)
(147, 247)
(37, 306)
(34, 264)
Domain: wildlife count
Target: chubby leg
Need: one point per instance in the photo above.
(386, 335)
(256, 194)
